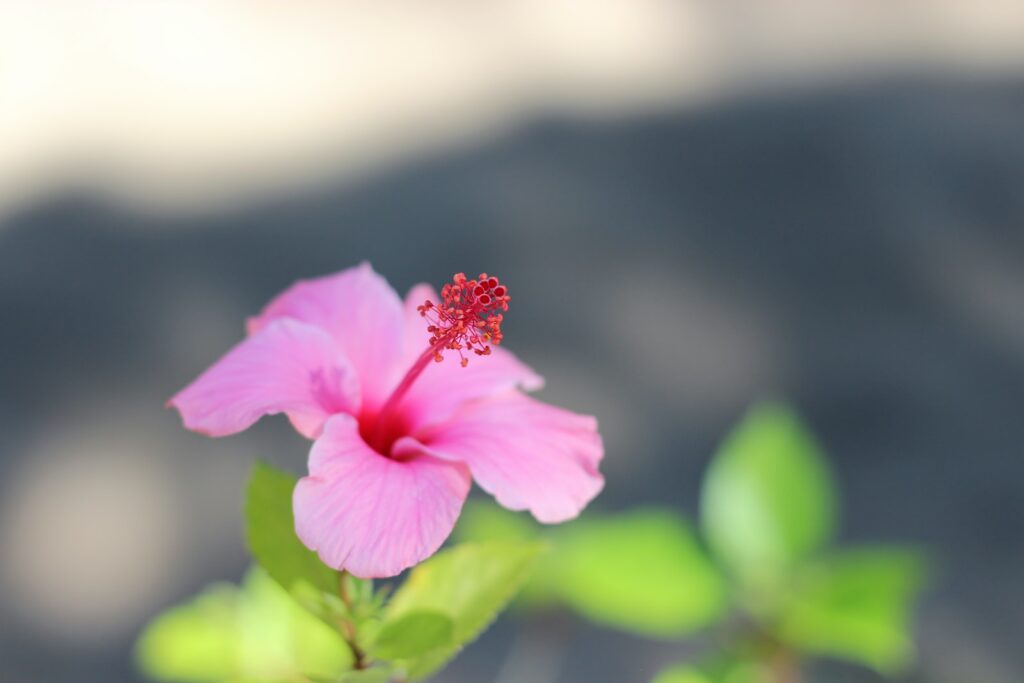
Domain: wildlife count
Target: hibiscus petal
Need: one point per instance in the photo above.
(368, 514)
(363, 314)
(529, 455)
(287, 367)
(444, 387)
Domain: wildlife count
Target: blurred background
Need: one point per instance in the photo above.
(696, 204)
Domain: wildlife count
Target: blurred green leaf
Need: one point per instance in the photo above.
(767, 499)
(254, 633)
(486, 522)
(412, 634)
(642, 571)
(270, 532)
(197, 641)
(471, 584)
(681, 673)
(734, 668)
(857, 604)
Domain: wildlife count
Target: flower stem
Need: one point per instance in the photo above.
(781, 662)
(347, 626)
(784, 667)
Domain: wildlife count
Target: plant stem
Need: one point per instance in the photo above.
(785, 667)
(777, 661)
(347, 626)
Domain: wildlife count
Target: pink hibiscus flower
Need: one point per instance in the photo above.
(398, 436)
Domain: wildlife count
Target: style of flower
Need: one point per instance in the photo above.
(399, 429)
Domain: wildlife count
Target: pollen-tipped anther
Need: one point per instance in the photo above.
(468, 317)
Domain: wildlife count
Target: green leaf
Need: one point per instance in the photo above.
(681, 673)
(642, 571)
(270, 533)
(731, 668)
(197, 641)
(767, 500)
(471, 584)
(254, 633)
(413, 634)
(482, 521)
(857, 605)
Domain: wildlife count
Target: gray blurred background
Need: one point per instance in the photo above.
(695, 205)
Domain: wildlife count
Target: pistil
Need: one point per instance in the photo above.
(467, 319)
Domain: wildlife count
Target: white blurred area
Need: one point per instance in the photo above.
(99, 517)
(70, 527)
(184, 103)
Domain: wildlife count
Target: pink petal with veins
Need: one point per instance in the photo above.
(361, 311)
(370, 515)
(529, 455)
(287, 367)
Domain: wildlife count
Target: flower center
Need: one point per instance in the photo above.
(466, 320)
(381, 431)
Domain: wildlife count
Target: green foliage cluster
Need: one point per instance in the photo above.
(294, 620)
(764, 570)
(761, 568)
